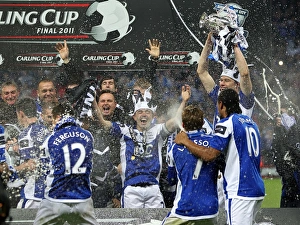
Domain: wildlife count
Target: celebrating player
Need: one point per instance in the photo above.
(68, 191)
(141, 153)
(196, 198)
(238, 137)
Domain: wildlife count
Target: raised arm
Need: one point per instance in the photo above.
(63, 50)
(245, 81)
(105, 123)
(202, 69)
(174, 122)
(73, 70)
(154, 48)
(205, 153)
(150, 70)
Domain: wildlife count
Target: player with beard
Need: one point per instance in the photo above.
(141, 158)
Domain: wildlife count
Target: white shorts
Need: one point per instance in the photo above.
(28, 204)
(240, 211)
(142, 197)
(58, 213)
(178, 221)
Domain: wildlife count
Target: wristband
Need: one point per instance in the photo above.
(67, 60)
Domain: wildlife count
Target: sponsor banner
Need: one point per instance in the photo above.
(108, 34)
(109, 58)
(37, 59)
(179, 58)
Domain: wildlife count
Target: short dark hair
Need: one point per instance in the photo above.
(230, 100)
(108, 77)
(63, 108)
(27, 106)
(192, 118)
(106, 91)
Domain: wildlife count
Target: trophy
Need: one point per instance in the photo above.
(215, 22)
(226, 26)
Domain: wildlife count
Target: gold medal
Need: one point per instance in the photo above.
(133, 157)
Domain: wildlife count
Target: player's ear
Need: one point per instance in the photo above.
(21, 114)
(237, 85)
(221, 105)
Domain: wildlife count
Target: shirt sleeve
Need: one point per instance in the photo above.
(172, 174)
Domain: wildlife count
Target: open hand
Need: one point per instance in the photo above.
(154, 48)
(63, 50)
(180, 138)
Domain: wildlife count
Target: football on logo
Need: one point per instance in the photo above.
(1, 59)
(127, 58)
(108, 18)
(193, 58)
(59, 60)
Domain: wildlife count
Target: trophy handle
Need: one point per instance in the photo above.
(203, 19)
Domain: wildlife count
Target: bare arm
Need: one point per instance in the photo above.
(204, 153)
(202, 69)
(245, 82)
(28, 165)
(105, 123)
(174, 122)
(63, 51)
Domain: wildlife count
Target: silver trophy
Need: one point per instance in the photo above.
(226, 26)
(213, 22)
(230, 15)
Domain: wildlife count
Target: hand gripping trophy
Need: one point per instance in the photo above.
(226, 26)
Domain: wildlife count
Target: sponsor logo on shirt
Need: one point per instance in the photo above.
(220, 129)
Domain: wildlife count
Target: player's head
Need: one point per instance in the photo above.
(108, 83)
(228, 103)
(46, 91)
(61, 110)
(26, 110)
(46, 114)
(107, 103)
(140, 87)
(10, 92)
(192, 118)
(229, 79)
(143, 115)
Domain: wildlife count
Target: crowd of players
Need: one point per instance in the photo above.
(97, 146)
(52, 163)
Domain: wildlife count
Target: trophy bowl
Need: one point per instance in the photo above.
(213, 22)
